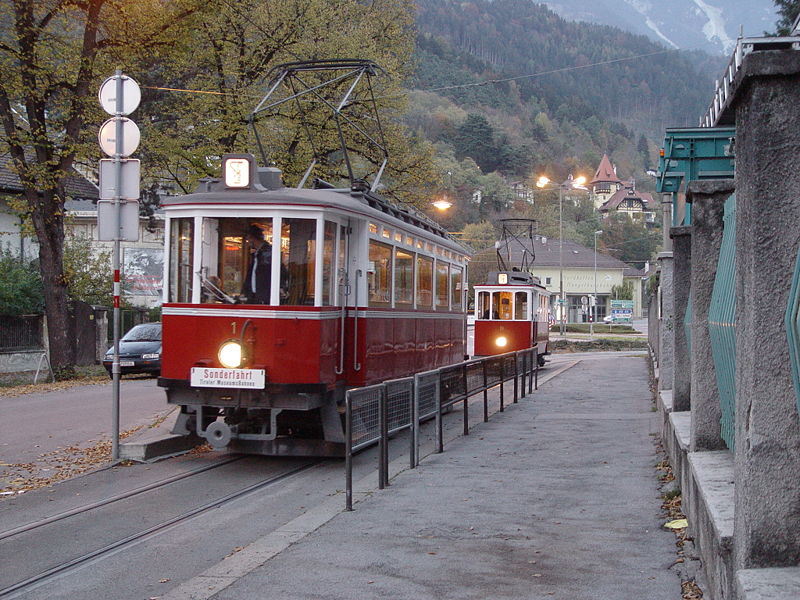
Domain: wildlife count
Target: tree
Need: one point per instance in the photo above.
(86, 272)
(475, 138)
(622, 292)
(55, 53)
(788, 11)
(52, 55)
(234, 47)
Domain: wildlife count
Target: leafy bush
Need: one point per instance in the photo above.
(20, 285)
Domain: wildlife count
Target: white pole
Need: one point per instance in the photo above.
(561, 298)
(115, 367)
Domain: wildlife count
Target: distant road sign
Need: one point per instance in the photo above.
(128, 214)
(131, 95)
(130, 176)
(107, 137)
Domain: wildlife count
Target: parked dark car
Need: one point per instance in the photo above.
(139, 351)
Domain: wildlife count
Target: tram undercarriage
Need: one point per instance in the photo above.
(281, 422)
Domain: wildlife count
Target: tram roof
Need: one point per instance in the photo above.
(364, 203)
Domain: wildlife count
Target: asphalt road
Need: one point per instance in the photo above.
(38, 423)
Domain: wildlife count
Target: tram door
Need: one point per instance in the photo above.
(345, 295)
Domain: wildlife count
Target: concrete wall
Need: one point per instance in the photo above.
(767, 458)
(742, 504)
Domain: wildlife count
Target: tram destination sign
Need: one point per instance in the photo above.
(253, 379)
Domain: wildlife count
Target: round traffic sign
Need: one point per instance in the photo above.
(131, 95)
(107, 136)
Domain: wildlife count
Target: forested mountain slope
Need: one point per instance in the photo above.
(570, 91)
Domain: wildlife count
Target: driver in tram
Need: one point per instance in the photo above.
(256, 286)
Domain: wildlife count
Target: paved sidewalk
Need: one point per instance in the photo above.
(555, 498)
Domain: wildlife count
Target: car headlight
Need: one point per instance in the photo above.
(501, 341)
(150, 356)
(230, 355)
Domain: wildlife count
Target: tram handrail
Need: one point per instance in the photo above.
(372, 416)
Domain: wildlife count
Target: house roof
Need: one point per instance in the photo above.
(628, 193)
(573, 255)
(77, 186)
(605, 172)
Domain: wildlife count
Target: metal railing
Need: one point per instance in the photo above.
(722, 324)
(21, 333)
(376, 412)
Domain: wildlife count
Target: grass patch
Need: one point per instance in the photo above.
(598, 328)
(566, 346)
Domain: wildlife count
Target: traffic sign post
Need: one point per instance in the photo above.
(118, 208)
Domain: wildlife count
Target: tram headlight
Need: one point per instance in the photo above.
(501, 341)
(230, 355)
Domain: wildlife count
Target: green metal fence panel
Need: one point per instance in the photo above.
(692, 153)
(792, 323)
(722, 322)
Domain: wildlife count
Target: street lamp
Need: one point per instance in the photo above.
(442, 204)
(544, 182)
(594, 302)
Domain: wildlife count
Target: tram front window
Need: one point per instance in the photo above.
(502, 307)
(236, 260)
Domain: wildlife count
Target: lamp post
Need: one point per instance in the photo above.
(544, 182)
(594, 301)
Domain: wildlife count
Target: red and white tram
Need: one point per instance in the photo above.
(351, 291)
(511, 313)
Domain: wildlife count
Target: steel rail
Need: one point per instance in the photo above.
(36, 580)
(106, 501)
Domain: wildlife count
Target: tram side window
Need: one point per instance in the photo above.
(403, 277)
(328, 276)
(442, 276)
(181, 259)
(484, 305)
(379, 275)
(424, 282)
(456, 287)
(298, 252)
(521, 306)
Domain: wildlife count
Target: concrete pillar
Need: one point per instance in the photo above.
(681, 278)
(767, 456)
(666, 324)
(708, 208)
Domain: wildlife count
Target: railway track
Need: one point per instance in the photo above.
(72, 561)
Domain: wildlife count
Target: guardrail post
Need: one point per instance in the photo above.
(536, 373)
(439, 433)
(525, 355)
(348, 456)
(383, 440)
(516, 378)
(502, 379)
(485, 394)
(413, 453)
(466, 403)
